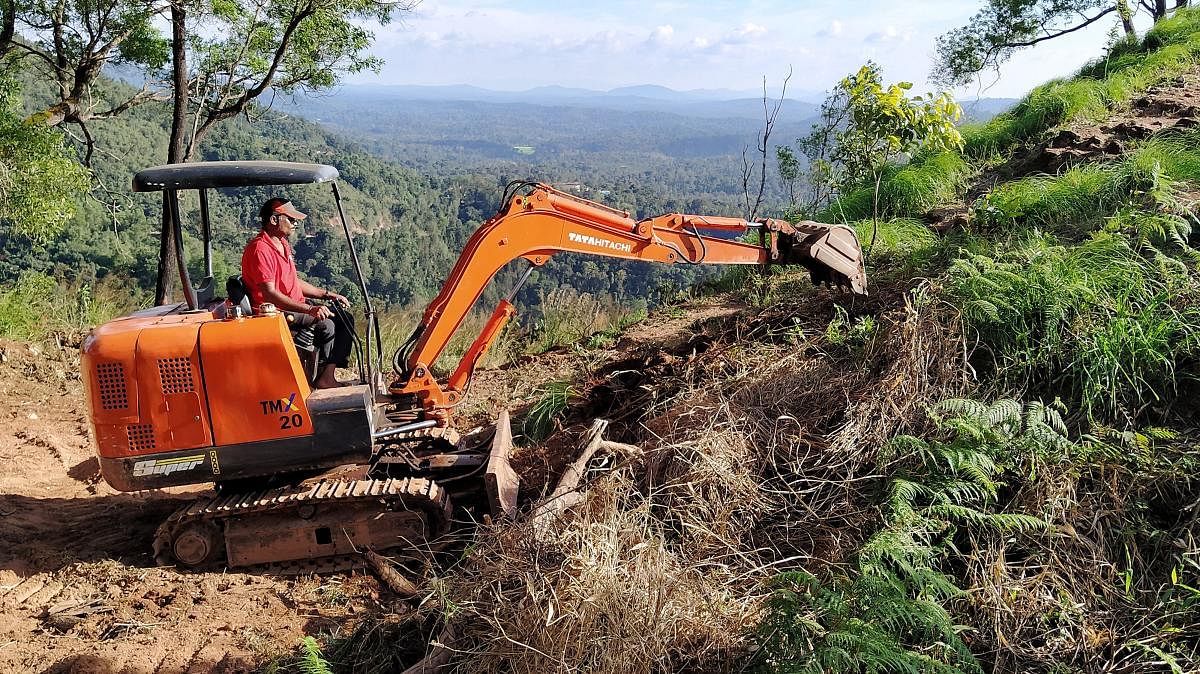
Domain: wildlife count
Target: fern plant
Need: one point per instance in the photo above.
(888, 614)
(312, 661)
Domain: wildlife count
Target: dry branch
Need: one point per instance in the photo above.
(567, 493)
(390, 576)
(438, 657)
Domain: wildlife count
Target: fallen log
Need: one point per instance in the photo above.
(567, 493)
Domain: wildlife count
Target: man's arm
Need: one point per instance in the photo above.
(310, 290)
(271, 294)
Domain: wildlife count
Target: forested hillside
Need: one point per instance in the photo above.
(410, 224)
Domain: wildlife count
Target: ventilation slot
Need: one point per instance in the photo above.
(111, 378)
(176, 375)
(141, 437)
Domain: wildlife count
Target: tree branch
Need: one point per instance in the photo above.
(143, 96)
(1065, 31)
(250, 94)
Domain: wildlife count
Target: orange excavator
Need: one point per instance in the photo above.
(206, 392)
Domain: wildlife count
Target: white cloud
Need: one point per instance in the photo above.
(889, 34)
(833, 30)
(749, 31)
(662, 34)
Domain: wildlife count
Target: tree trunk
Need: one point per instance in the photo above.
(1160, 9)
(8, 22)
(168, 264)
(1126, 15)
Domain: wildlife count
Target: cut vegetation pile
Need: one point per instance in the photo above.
(988, 465)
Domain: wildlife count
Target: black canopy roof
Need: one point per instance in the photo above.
(200, 175)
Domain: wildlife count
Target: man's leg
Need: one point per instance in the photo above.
(339, 353)
(325, 336)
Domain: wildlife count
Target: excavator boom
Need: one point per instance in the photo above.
(545, 221)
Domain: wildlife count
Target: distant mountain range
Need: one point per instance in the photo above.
(707, 103)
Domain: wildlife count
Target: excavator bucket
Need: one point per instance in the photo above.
(831, 253)
(500, 480)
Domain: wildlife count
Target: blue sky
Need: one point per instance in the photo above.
(693, 45)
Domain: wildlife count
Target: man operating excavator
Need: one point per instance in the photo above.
(269, 273)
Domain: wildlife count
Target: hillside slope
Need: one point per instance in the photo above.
(988, 465)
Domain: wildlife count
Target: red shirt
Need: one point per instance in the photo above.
(263, 263)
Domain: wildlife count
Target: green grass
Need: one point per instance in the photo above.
(37, 307)
(915, 187)
(1175, 154)
(1076, 201)
(1098, 324)
(1047, 106)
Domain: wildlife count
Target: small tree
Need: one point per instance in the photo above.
(865, 126)
(811, 184)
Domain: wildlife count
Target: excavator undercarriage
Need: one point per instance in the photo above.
(305, 480)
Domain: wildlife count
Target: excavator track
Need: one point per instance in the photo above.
(318, 526)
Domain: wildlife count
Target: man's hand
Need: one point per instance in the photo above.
(340, 299)
(320, 312)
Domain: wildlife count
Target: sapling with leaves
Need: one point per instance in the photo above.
(864, 127)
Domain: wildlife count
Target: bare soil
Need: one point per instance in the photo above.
(79, 590)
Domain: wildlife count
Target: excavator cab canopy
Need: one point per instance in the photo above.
(170, 179)
(216, 174)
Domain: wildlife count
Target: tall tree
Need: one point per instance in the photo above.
(256, 48)
(1002, 27)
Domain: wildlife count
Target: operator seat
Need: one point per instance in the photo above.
(235, 290)
(304, 340)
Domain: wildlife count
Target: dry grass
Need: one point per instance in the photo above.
(604, 591)
(756, 459)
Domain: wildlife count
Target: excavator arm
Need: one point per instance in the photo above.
(545, 221)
